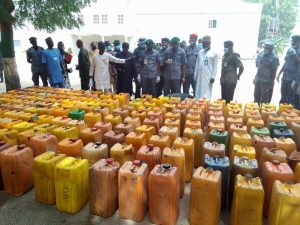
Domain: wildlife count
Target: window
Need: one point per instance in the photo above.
(120, 19)
(96, 19)
(104, 19)
(212, 24)
(81, 18)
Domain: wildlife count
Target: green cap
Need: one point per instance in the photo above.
(149, 42)
(117, 42)
(175, 40)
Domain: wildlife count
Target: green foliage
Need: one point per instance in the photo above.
(285, 14)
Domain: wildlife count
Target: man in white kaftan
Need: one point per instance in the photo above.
(100, 64)
(205, 70)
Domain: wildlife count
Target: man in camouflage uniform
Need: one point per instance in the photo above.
(139, 54)
(230, 63)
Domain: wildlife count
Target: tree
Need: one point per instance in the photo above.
(43, 15)
(277, 20)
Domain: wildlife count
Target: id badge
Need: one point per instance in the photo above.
(205, 62)
(146, 61)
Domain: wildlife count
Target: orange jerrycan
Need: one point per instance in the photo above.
(285, 144)
(137, 140)
(270, 154)
(150, 155)
(135, 121)
(71, 179)
(164, 194)
(91, 118)
(285, 204)
(297, 173)
(103, 126)
(189, 148)
(274, 171)
(148, 130)
(248, 201)
(206, 187)
(160, 141)
(65, 132)
(41, 143)
(9, 136)
(25, 136)
(122, 153)
(170, 131)
(104, 195)
(43, 176)
(132, 182)
(175, 157)
(88, 135)
(154, 122)
(112, 137)
(125, 128)
(260, 142)
(70, 147)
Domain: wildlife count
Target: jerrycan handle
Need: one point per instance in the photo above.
(94, 129)
(273, 150)
(244, 159)
(150, 148)
(135, 163)
(216, 159)
(73, 140)
(209, 171)
(2, 143)
(21, 147)
(97, 144)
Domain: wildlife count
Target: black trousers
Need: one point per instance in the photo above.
(227, 91)
(287, 93)
(189, 81)
(149, 86)
(160, 87)
(84, 83)
(172, 86)
(36, 79)
(263, 92)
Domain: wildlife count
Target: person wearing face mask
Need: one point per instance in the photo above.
(100, 66)
(230, 63)
(108, 47)
(175, 64)
(290, 70)
(267, 63)
(125, 72)
(200, 43)
(150, 68)
(139, 53)
(165, 42)
(191, 52)
(205, 70)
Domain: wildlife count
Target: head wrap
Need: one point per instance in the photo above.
(175, 40)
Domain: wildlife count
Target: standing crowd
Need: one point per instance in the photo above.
(166, 68)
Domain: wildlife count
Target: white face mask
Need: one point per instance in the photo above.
(226, 50)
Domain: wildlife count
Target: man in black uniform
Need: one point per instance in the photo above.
(230, 63)
(139, 54)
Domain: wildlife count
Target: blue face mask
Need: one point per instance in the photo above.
(118, 47)
(200, 45)
(226, 50)
(108, 48)
(142, 45)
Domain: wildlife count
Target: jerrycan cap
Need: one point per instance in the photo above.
(209, 170)
(109, 161)
(22, 146)
(2, 143)
(276, 162)
(98, 143)
(248, 176)
(73, 139)
(136, 163)
(166, 166)
(64, 117)
(150, 147)
(94, 129)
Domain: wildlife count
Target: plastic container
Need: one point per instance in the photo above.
(234, 121)
(42, 143)
(112, 137)
(114, 119)
(93, 152)
(45, 128)
(139, 114)
(270, 154)
(254, 122)
(296, 130)
(223, 165)
(206, 187)
(260, 142)
(214, 126)
(219, 136)
(285, 144)
(125, 128)
(132, 183)
(137, 140)
(148, 130)
(9, 136)
(91, 118)
(16, 169)
(175, 157)
(189, 149)
(197, 135)
(283, 132)
(164, 194)
(248, 201)
(151, 155)
(276, 125)
(103, 126)
(293, 159)
(260, 131)
(237, 128)
(213, 149)
(122, 153)
(104, 195)
(25, 136)
(79, 124)
(122, 112)
(70, 147)
(170, 131)
(135, 121)
(156, 114)
(71, 179)
(243, 150)
(77, 114)
(274, 171)
(60, 121)
(23, 126)
(160, 141)
(171, 122)
(240, 138)
(88, 135)
(43, 176)
(65, 132)
(152, 121)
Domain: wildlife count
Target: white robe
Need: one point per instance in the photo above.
(204, 71)
(100, 64)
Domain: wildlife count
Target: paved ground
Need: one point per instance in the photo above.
(25, 210)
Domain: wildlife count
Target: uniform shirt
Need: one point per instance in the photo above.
(83, 62)
(139, 54)
(230, 63)
(173, 71)
(151, 61)
(191, 57)
(100, 64)
(52, 58)
(266, 66)
(291, 66)
(35, 57)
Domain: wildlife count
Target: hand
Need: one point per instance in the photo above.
(292, 51)
(277, 78)
(212, 80)
(238, 77)
(157, 79)
(254, 81)
(91, 83)
(139, 78)
(129, 59)
(183, 79)
(169, 61)
(77, 67)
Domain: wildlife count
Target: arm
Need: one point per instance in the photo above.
(279, 74)
(28, 56)
(196, 68)
(92, 67)
(215, 66)
(183, 66)
(116, 60)
(241, 68)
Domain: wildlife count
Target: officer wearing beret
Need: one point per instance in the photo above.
(267, 63)
(139, 53)
(229, 76)
(175, 62)
(290, 70)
